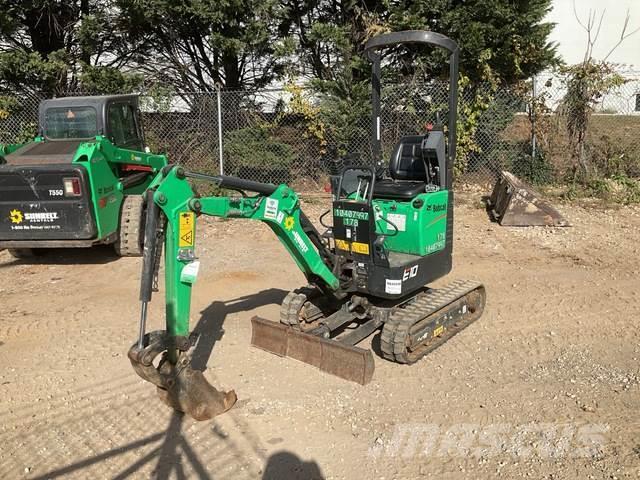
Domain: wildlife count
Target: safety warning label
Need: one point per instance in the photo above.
(186, 229)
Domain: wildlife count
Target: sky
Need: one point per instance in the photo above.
(572, 39)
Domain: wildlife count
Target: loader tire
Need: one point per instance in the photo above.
(131, 232)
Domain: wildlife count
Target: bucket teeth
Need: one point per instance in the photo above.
(331, 356)
(178, 385)
(189, 391)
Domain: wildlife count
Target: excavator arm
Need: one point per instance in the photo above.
(172, 209)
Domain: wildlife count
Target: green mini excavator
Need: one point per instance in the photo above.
(390, 237)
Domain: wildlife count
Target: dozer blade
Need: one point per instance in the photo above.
(515, 204)
(331, 356)
(178, 385)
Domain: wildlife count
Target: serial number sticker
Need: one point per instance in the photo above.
(361, 248)
(398, 220)
(186, 230)
(393, 287)
(271, 209)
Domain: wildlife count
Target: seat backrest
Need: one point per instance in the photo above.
(406, 161)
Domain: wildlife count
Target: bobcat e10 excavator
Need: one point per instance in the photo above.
(390, 238)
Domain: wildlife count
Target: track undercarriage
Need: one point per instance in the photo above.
(320, 333)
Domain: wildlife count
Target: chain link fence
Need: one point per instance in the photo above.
(299, 136)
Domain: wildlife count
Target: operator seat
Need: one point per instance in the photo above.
(406, 169)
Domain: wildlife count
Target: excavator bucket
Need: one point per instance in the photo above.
(515, 204)
(178, 385)
(331, 356)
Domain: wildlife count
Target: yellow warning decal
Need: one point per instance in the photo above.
(438, 331)
(187, 229)
(361, 248)
(342, 245)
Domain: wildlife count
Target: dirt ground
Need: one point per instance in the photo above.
(544, 385)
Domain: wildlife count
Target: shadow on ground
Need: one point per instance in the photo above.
(171, 454)
(286, 465)
(100, 254)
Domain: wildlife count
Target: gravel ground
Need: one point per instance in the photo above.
(544, 385)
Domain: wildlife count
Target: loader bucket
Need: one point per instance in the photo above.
(330, 356)
(515, 204)
(178, 385)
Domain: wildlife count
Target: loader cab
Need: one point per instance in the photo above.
(58, 190)
(72, 120)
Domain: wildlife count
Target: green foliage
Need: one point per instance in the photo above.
(28, 131)
(255, 149)
(198, 44)
(618, 189)
(345, 111)
(157, 98)
(102, 80)
(49, 47)
(22, 71)
(472, 106)
(331, 35)
(586, 84)
(300, 106)
(7, 106)
(536, 170)
(500, 40)
(11, 106)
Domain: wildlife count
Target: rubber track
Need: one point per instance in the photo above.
(293, 303)
(393, 339)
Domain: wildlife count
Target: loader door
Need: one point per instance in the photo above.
(123, 124)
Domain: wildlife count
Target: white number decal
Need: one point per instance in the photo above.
(410, 273)
(55, 193)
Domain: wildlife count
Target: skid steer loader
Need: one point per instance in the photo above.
(390, 237)
(79, 183)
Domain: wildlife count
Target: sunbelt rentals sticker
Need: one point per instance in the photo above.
(21, 220)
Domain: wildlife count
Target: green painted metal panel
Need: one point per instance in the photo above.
(280, 211)
(421, 223)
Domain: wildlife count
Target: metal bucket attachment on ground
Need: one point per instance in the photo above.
(515, 204)
(179, 386)
(331, 356)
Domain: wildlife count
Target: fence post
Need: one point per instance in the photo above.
(220, 156)
(533, 120)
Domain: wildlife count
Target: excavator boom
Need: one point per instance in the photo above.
(172, 209)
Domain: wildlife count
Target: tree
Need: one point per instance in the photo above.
(587, 82)
(502, 41)
(331, 35)
(194, 45)
(49, 47)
